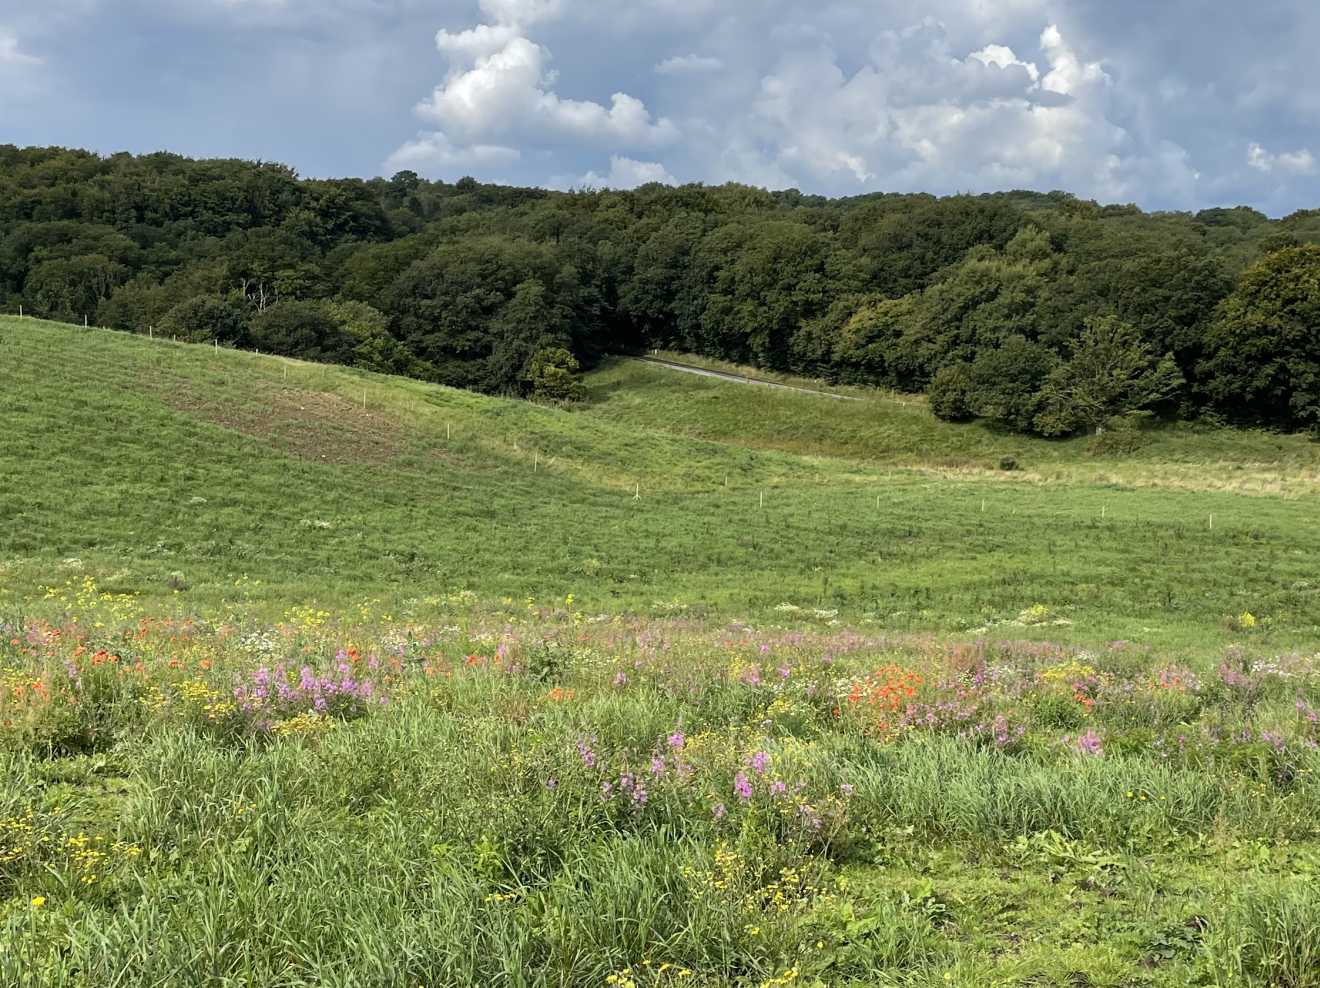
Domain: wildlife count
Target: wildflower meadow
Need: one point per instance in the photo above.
(459, 792)
(316, 677)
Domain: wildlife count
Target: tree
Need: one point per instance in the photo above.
(949, 393)
(528, 324)
(1111, 372)
(305, 330)
(1004, 383)
(553, 376)
(206, 319)
(870, 347)
(1264, 364)
(478, 310)
(764, 282)
(906, 239)
(374, 349)
(74, 288)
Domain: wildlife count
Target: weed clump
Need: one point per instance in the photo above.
(1116, 444)
(1270, 936)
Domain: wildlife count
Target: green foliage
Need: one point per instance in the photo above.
(1270, 936)
(1005, 383)
(375, 349)
(472, 280)
(553, 376)
(478, 311)
(1264, 362)
(302, 329)
(1111, 372)
(206, 319)
(74, 287)
(950, 393)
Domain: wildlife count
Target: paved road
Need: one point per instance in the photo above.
(737, 379)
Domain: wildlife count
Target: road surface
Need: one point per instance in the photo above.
(737, 379)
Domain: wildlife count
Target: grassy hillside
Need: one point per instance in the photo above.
(888, 428)
(135, 459)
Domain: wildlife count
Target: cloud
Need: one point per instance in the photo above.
(917, 115)
(1292, 163)
(476, 43)
(1067, 75)
(433, 154)
(1163, 103)
(505, 92)
(11, 56)
(522, 12)
(627, 173)
(499, 90)
(685, 64)
(1003, 57)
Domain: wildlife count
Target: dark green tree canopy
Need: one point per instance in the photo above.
(1264, 362)
(999, 305)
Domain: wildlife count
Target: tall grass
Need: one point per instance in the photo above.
(556, 802)
(1269, 935)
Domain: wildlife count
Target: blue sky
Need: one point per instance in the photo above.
(1173, 104)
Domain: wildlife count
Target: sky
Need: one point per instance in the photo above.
(1171, 104)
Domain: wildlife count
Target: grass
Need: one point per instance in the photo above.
(899, 430)
(528, 797)
(316, 677)
(152, 465)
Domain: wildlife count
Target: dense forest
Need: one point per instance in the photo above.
(1047, 313)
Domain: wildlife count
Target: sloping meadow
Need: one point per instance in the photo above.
(524, 794)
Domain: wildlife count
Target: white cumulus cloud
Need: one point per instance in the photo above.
(1067, 74)
(1291, 163)
(628, 173)
(1003, 56)
(917, 115)
(433, 153)
(499, 91)
(506, 92)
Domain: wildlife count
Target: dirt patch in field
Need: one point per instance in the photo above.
(313, 425)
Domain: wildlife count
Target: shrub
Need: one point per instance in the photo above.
(553, 376)
(302, 329)
(1057, 710)
(1008, 463)
(950, 393)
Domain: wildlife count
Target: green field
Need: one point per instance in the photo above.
(140, 459)
(317, 677)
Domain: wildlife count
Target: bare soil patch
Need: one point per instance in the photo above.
(313, 425)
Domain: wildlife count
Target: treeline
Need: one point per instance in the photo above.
(1041, 311)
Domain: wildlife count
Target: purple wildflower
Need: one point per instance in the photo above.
(742, 787)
